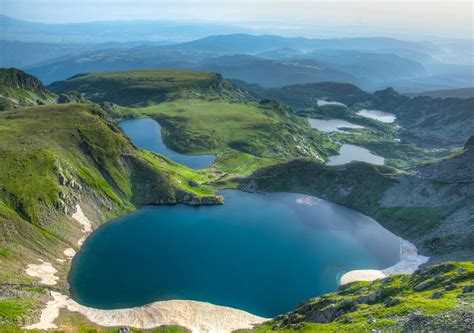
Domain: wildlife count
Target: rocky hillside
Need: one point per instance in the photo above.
(64, 161)
(20, 89)
(432, 205)
(202, 113)
(430, 122)
(425, 121)
(147, 87)
(438, 298)
(456, 93)
(302, 96)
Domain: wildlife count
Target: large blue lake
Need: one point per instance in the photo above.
(263, 253)
(146, 134)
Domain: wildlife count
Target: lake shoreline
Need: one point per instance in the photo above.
(409, 262)
(194, 315)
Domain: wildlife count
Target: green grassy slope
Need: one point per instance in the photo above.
(19, 89)
(203, 113)
(434, 299)
(54, 157)
(148, 87)
(240, 133)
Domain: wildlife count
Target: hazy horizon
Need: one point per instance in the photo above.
(402, 18)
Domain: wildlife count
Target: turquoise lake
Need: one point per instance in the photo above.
(349, 153)
(146, 134)
(262, 253)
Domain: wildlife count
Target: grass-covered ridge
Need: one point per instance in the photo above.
(148, 87)
(19, 89)
(41, 145)
(53, 158)
(436, 298)
(203, 113)
(264, 130)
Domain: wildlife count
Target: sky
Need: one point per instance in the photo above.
(448, 18)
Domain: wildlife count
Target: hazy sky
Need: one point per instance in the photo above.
(453, 18)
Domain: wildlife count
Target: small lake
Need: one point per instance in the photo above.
(323, 102)
(262, 253)
(146, 134)
(382, 116)
(349, 153)
(332, 125)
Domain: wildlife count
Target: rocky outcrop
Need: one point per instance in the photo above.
(17, 79)
(150, 187)
(18, 89)
(71, 97)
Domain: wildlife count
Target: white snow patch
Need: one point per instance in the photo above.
(196, 316)
(69, 252)
(409, 262)
(84, 222)
(45, 272)
(308, 201)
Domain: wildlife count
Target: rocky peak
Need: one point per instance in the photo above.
(388, 92)
(17, 79)
(469, 144)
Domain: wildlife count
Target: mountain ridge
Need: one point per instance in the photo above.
(18, 88)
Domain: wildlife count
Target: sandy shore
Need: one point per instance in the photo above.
(84, 222)
(409, 262)
(196, 316)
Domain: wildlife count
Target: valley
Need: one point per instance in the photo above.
(83, 167)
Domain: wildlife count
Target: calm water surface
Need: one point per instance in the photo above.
(146, 134)
(262, 253)
(323, 102)
(331, 125)
(382, 116)
(349, 153)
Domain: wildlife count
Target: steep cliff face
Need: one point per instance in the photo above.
(432, 205)
(20, 89)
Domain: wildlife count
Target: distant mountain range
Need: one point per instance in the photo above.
(372, 63)
(21, 54)
(105, 31)
(234, 56)
(454, 93)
